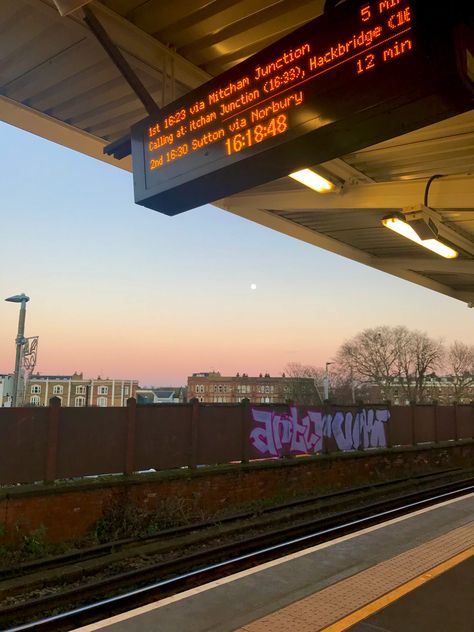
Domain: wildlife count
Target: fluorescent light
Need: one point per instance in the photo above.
(403, 228)
(313, 180)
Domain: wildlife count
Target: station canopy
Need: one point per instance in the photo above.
(57, 81)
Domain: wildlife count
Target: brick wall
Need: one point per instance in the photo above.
(69, 511)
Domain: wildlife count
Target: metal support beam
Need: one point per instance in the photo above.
(35, 122)
(121, 63)
(423, 264)
(451, 192)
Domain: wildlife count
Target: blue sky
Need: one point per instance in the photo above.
(122, 291)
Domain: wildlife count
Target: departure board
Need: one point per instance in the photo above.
(362, 73)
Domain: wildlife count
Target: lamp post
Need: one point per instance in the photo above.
(19, 342)
(326, 381)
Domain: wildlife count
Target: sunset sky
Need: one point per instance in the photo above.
(121, 291)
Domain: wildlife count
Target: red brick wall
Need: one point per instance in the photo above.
(70, 511)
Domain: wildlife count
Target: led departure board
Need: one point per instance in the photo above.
(362, 73)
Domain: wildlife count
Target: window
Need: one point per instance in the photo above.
(57, 390)
(80, 390)
(80, 401)
(102, 390)
(125, 390)
(35, 400)
(102, 401)
(220, 388)
(36, 388)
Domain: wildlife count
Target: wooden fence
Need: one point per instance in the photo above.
(45, 444)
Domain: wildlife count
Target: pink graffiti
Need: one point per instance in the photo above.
(277, 433)
(280, 429)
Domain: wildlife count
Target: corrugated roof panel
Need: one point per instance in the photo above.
(446, 148)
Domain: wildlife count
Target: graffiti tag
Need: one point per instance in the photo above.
(277, 433)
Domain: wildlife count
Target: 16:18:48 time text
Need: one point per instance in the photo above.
(257, 134)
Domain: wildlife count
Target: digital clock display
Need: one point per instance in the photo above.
(364, 72)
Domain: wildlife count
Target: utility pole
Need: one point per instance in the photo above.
(326, 381)
(19, 342)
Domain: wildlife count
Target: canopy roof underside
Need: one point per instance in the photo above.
(57, 81)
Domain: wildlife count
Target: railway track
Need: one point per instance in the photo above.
(273, 533)
(299, 506)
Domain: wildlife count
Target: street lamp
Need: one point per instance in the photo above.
(20, 340)
(326, 381)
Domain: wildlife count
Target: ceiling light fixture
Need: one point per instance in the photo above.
(425, 227)
(402, 227)
(313, 180)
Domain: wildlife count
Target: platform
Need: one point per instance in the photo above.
(411, 573)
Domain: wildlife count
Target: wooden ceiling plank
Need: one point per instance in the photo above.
(75, 89)
(277, 25)
(48, 43)
(79, 56)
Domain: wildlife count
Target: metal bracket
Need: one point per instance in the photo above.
(121, 147)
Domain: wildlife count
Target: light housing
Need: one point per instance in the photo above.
(18, 298)
(313, 180)
(400, 223)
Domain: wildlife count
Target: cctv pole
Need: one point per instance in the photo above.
(19, 342)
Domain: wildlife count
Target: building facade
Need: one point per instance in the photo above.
(77, 391)
(442, 389)
(212, 387)
(6, 389)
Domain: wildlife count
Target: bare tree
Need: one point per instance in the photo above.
(460, 363)
(392, 358)
(304, 383)
(370, 357)
(418, 356)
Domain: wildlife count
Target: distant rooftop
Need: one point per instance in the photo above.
(37, 376)
(207, 374)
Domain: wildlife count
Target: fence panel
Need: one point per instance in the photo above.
(446, 422)
(425, 424)
(400, 425)
(91, 441)
(219, 435)
(163, 436)
(465, 422)
(23, 444)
